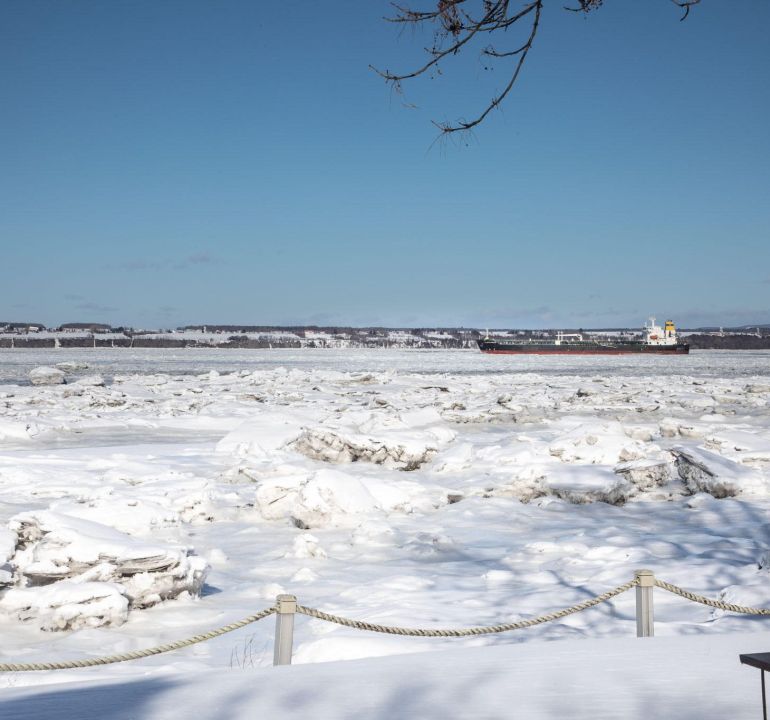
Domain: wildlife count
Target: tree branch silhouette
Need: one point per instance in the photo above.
(456, 23)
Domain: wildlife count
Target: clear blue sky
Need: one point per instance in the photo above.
(165, 162)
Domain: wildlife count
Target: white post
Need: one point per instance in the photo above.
(645, 616)
(286, 607)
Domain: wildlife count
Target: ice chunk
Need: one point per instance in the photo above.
(748, 448)
(332, 498)
(639, 432)
(90, 381)
(705, 471)
(599, 443)
(587, 483)
(52, 547)
(669, 427)
(262, 435)
(406, 441)
(67, 605)
(307, 546)
(645, 474)
(7, 548)
(72, 544)
(336, 447)
(44, 375)
(672, 427)
(71, 365)
(757, 388)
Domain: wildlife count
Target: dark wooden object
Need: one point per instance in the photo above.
(761, 661)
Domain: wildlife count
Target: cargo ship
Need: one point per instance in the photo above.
(654, 339)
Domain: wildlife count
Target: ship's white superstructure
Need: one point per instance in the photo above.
(656, 335)
(562, 337)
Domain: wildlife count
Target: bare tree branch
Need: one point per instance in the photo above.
(456, 23)
(686, 4)
(585, 6)
(463, 125)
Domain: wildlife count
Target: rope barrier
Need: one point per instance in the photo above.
(136, 654)
(387, 629)
(711, 603)
(487, 630)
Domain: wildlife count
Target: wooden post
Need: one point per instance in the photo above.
(645, 616)
(286, 607)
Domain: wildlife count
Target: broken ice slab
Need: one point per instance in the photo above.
(645, 474)
(52, 549)
(706, 471)
(404, 440)
(46, 376)
(586, 484)
(67, 605)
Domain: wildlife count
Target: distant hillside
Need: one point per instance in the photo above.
(23, 335)
(728, 342)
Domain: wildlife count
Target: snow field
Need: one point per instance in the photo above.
(674, 678)
(448, 490)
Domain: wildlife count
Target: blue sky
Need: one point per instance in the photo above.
(174, 162)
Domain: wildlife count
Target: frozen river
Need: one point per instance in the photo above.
(16, 364)
(160, 493)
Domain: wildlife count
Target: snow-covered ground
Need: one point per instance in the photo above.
(158, 494)
(692, 678)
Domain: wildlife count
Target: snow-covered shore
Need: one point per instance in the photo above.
(664, 678)
(431, 489)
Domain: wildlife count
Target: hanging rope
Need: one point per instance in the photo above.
(136, 654)
(711, 603)
(387, 629)
(467, 632)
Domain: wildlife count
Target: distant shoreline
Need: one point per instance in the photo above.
(697, 342)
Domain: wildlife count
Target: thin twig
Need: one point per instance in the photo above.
(455, 25)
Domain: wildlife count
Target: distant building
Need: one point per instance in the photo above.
(15, 327)
(88, 327)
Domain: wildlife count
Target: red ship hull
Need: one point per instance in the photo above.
(496, 347)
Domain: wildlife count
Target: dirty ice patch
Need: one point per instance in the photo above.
(404, 440)
(646, 474)
(587, 483)
(7, 548)
(706, 471)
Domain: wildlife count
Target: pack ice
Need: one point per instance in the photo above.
(165, 493)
